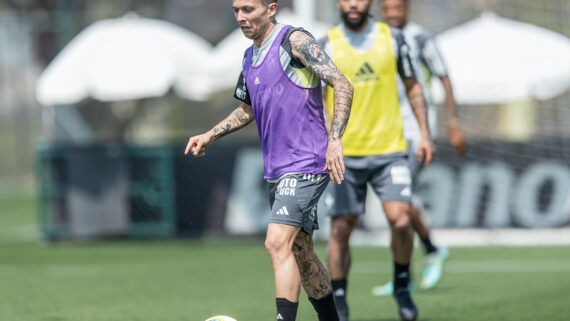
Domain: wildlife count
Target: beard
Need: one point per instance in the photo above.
(354, 25)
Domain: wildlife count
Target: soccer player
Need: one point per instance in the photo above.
(372, 55)
(427, 62)
(280, 88)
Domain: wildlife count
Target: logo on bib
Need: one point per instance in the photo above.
(366, 73)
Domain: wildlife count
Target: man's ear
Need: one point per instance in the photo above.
(272, 9)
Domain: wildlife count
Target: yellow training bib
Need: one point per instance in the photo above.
(375, 123)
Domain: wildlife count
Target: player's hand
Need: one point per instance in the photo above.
(335, 162)
(426, 150)
(197, 144)
(457, 139)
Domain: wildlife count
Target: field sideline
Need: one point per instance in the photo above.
(189, 281)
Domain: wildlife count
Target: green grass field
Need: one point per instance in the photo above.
(189, 281)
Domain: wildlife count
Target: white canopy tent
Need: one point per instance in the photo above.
(126, 58)
(495, 60)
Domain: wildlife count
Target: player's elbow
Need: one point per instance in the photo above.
(412, 84)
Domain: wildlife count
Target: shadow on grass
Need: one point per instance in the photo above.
(391, 319)
(441, 290)
(396, 319)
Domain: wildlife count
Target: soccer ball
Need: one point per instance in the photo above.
(221, 318)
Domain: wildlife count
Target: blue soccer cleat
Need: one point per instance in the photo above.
(434, 268)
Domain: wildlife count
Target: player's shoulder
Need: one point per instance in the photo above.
(297, 32)
(396, 32)
(398, 36)
(417, 31)
(245, 56)
(294, 37)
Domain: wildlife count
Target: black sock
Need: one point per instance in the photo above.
(325, 307)
(286, 310)
(339, 293)
(401, 275)
(428, 246)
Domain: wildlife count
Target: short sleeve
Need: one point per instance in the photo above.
(241, 93)
(431, 56)
(404, 62)
(286, 45)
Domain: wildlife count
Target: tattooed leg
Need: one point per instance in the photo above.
(314, 276)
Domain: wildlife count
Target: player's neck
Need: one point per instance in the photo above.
(259, 41)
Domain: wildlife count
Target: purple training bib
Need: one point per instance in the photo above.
(290, 120)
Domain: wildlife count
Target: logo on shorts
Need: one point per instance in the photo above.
(287, 186)
(406, 192)
(401, 175)
(283, 211)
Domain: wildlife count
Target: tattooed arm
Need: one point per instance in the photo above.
(239, 118)
(419, 106)
(311, 54)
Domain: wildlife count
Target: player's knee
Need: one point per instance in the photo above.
(341, 230)
(400, 221)
(276, 248)
(402, 229)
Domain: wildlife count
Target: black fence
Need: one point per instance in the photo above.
(127, 191)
